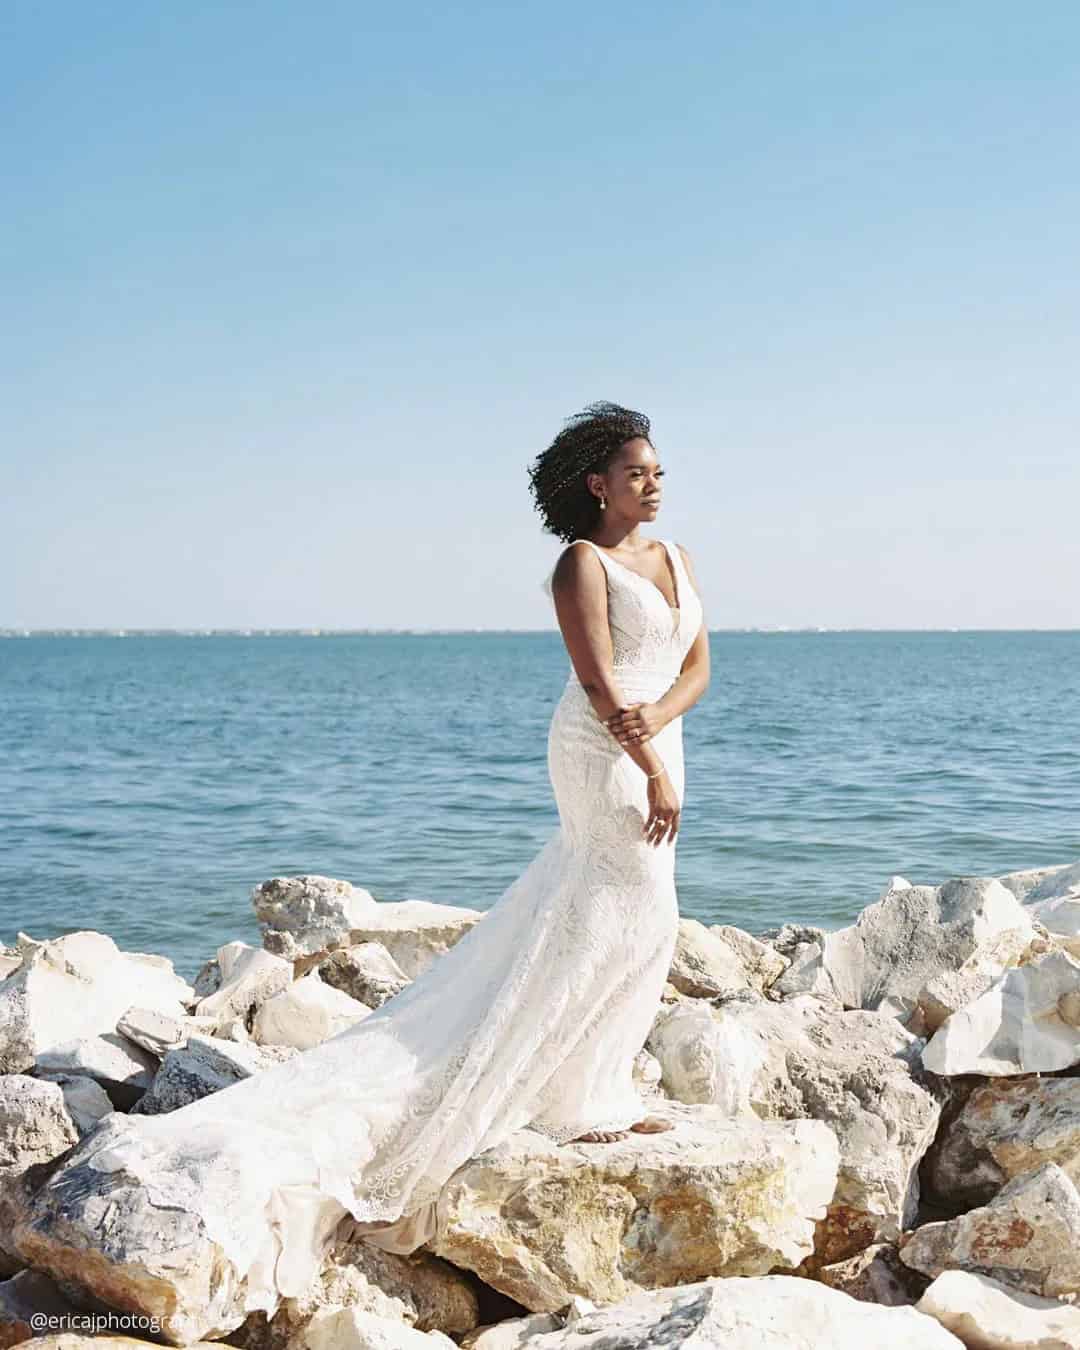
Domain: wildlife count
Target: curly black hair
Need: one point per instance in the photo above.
(588, 443)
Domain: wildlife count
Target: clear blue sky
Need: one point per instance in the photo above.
(294, 291)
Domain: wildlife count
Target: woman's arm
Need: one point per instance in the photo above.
(579, 589)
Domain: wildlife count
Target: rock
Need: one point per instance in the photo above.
(1005, 1128)
(122, 1069)
(35, 1126)
(84, 1100)
(703, 965)
(806, 974)
(875, 1275)
(76, 987)
(903, 941)
(306, 1013)
(706, 1055)
(68, 1340)
(1021, 884)
(353, 1329)
(856, 1071)
(1028, 1236)
(306, 915)
(157, 1034)
(419, 1290)
(515, 1333)
(205, 1064)
(415, 932)
(988, 1315)
(762, 964)
(952, 990)
(1055, 903)
(1015, 1027)
(248, 976)
(366, 972)
(540, 1222)
(25, 1300)
(772, 1312)
(646, 1074)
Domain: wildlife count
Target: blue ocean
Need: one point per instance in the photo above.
(147, 783)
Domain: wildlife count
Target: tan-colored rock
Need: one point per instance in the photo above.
(353, 1329)
(1005, 1128)
(542, 1222)
(415, 932)
(762, 964)
(704, 965)
(987, 1315)
(306, 1013)
(31, 1303)
(1028, 1235)
(875, 1275)
(366, 972)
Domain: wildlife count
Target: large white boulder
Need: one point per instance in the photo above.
(1028, 1021)
(915, 933)
(77, 986)
(1055, 902)
(238, 982)
(988, 1315)
(771, 1312)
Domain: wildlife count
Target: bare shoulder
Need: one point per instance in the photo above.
(577, 564)
(687, 563)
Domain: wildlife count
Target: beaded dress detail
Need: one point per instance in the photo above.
(532, 1019)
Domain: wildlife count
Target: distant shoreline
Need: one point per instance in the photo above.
(813, 631)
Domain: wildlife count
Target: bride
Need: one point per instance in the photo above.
(534, 1017)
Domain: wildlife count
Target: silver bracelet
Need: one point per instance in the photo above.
(656, 774)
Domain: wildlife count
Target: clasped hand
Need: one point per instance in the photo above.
(636, 724)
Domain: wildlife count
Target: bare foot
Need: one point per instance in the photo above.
(599, 1136)
(651, 1125)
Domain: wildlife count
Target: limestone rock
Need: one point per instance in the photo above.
(876, 1275)
(515, 1333)
(806, 974)
(1028, 1236)
(121, 1068)
(703, 965)
(25, 1299)
(988, 1315)
(419, 1290)
(415, 932)
(248, 976)
(772, 1312)
(35, 1126)
(84, 1100)
(305, 915)
(541, 1222)
(856, 1071)
(1015, 1027)
(912, 935)
(306, 1013)
(1023, 883)
(157, 1033)
(762, 964)
(353, 1329)
(366, 972)
(205, 1064)
(1055, 902)
(75, 987)
(1005, 1128)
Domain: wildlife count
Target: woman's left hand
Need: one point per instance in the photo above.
(636, 724)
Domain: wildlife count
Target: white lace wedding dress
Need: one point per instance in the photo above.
(533, 1018)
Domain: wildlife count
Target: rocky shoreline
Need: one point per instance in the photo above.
(877, 1137)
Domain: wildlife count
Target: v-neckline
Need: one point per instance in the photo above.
(675, 609)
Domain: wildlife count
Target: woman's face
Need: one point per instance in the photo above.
(632, 482)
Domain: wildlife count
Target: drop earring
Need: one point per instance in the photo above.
(603, 503)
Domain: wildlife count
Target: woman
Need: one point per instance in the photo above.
(534, 1017)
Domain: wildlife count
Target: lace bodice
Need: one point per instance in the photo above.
(649, 639)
